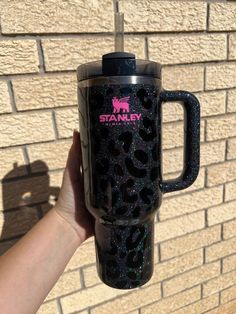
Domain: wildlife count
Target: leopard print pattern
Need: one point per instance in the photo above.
(122, 181)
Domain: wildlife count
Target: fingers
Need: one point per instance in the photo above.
(75, 155)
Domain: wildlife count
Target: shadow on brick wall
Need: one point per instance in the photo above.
(26, 197)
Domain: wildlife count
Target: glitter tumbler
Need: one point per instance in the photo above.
(120, 115)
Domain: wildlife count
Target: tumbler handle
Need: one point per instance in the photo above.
(191, 140)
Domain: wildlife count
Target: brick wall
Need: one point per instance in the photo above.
(41, 44)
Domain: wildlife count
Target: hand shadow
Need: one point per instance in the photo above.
(26, 196)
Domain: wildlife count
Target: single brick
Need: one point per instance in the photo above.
(67, 54)
(218, 250)
(53, 154)
(17, 222)
(189, 203)
(67, 120)
(191, 278)
(173, 135)
(187, 49)
(174, 302)
(228, 308)
(172, 111)
(18, 56)
(5, 103)
(12, 163)
(91, 276)
(221, 213)
(221, 173)
(230, 229)
(130, 301)
(45, 92)
(231, 106)
(221, 76)
(49, 308)
(232, 46)
(189, 242)
(83, 256)
(230, 191)
(219, 283)
(172, 161)
(189, 78)
(231, 148)
(200, 306)
(221, 127)
(89, 297)
(229, 263)
(222, 16)
(30, 190)
(68, 282)
(64, 17)
(25, 128)
(211, 153)
(228, 294)
(212, 103)
(176, 266)
(172, 16)
(179, 226)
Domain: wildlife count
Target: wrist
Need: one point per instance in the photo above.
(67, 226)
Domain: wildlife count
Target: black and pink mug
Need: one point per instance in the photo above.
(120, 116)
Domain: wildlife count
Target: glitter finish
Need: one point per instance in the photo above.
(122, 172)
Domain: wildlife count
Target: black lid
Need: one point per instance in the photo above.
(119, 64)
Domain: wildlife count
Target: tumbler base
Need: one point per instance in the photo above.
(125, 254)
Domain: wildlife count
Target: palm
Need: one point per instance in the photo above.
(71, 204)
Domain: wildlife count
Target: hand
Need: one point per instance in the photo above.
(71, 204)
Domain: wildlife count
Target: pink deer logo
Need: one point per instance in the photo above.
(120, 104)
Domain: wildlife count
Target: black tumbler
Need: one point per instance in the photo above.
(120, 116)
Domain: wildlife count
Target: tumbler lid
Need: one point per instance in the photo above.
(119, 64)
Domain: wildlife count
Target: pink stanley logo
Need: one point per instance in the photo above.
(121, 113)
(120, 104)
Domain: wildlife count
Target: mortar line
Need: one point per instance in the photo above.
(59, 306)
(206, 178)
(172, 295)
(82, 281)
(221, 266)
(26, 159)
(146, 48)
(223, 193)
(227, 47)
(201, 291)
(162, 289)
(227, 102)
(40, 56)
(222, 232)
(204, 79)
(207, 17)
(63, 72)
(12, 96)
(49, 35)
(206, 219)
(204, 255)
(31, 176)
(159, 252)
(54, 123)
